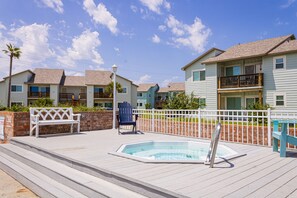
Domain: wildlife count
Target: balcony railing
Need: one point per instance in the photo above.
(101, 95)
(38, 94)
(66, 96)
(247, 80)
(82, 96)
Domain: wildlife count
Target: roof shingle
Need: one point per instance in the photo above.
(249, 50)
(178, 86)
(74, 81)
(145, 87)
(289, 46)
(47, 76)
(97, 77)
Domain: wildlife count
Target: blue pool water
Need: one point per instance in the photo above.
(185, 150)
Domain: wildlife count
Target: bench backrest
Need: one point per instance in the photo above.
(52, 113)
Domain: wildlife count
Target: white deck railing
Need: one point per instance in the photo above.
(240, 126)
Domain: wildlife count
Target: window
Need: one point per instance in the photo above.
(140, 104)
(16, 88)
(124, 90)
(16, 104)
(249, 102)
(233, 71)
(139, 94)
(279, 62)
(279, 100)
(199, 75)
(108, 105)
(98, 90)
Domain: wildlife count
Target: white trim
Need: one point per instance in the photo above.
(280, 94)
(284, 62)
(224, 89)
(198, 70)
(17, 85)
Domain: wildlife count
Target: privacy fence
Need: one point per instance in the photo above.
(240, 126)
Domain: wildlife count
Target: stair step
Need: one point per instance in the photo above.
(39, 183)
(88, 185)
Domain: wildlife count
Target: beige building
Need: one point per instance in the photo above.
(262, 71)
(89, 90)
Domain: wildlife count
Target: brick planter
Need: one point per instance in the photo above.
(18, 123)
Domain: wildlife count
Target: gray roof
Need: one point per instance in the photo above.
(97, 77)
(288, 46)
(47, 76)
(145, 86)
(75, 81)
(249, 50)
(163, 90)
(177, 86)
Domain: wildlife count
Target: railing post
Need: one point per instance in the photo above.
(269, 126)
(199, 123)
(153, 120)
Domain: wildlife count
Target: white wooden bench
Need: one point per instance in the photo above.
(52, 116)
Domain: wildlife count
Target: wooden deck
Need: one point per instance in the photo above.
(261, 173)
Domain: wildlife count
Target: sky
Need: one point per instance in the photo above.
(149, 40)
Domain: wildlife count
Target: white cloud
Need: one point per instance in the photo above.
(34, 38)
(143, 79)
(33, 42)
(288, 4)
(193, 36)
(83, 48)
(2, 26)
(56, 5)
(133, 8)
(116, 49)
(165, 82)
(162, 28)
(156, 5)
(156, 39)
(101, 15)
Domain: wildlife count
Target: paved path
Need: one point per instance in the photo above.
(10, 188)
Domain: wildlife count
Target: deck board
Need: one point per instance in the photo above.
(258, 174)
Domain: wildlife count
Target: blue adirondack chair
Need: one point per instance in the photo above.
(282, 136)
(125, 117)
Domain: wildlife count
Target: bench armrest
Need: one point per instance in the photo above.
(77, 115)
(34, 118)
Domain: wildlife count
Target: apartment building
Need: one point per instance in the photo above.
(27, 86)
(146, 94)
(165, 93)
(263, 71)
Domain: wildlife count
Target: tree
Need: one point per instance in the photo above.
(12, 52)
(183, 101)
(109, 89)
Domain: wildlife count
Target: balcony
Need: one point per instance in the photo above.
(82, 96)
(38, 94)
(66, 97)
(241, 81)
(101, 95)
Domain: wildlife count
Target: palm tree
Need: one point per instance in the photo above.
(109, 89)
(12, 52)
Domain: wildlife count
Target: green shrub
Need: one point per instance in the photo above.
(148, 106)
(43, 102)
(18, 108)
